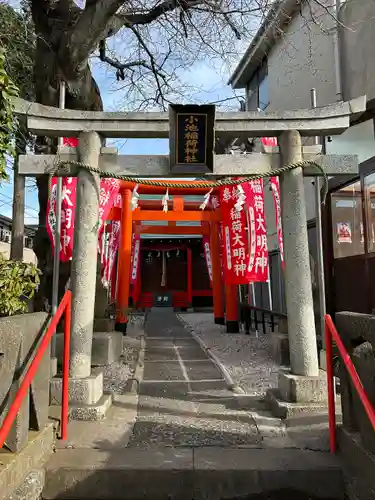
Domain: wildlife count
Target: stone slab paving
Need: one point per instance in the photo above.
(183, 397)
(246, 357)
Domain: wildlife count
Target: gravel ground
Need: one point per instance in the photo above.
(246, 357)
(117, 374)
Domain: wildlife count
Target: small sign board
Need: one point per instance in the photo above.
(191, 138)
(163, 300)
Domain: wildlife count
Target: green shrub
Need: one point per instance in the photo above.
(7, 122)
(18, 283)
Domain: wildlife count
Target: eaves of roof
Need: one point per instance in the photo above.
(280, 14)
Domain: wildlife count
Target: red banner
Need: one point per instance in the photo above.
(69, 188)
(275, 186)
(135, 258)
(113, 243)
(207, 254)
(108, 191)
(234, 238)
(258, 257)
(215, 203)
(269, 141)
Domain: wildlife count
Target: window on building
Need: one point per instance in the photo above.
(263, 94)
(347, 221)
(28, 242)
(253, 94)
(258, 92)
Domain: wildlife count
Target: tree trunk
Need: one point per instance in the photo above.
(47, 77)
(18, 208)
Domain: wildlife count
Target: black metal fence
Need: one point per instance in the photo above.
(258, 319)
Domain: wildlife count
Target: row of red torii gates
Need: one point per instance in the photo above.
(179, 210)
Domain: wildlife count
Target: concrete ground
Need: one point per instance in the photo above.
(183, 418)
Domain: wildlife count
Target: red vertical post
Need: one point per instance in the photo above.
(331, 389)
(65, 382)
(231, 308)
(189, 276)
(124, 259)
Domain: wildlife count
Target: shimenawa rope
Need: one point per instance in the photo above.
(62, 168)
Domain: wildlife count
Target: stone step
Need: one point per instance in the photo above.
(186, 474)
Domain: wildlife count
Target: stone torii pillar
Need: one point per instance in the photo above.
(299, 299)
(84, 261)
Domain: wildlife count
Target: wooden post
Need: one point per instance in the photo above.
(124, 253)
(189, 276)
(231, 298)
(217, 284)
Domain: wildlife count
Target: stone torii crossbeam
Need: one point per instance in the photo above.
(92, 127)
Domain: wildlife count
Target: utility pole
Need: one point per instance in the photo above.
(319, 242)
(56, 254)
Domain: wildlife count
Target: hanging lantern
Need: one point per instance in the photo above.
(168, 255)
(158, 255)
(178, 253)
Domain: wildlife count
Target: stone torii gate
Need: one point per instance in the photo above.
(304, 382)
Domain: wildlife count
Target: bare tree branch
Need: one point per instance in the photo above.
(121, 67)
(78, 43)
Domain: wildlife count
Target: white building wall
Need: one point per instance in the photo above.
(28, 254)
(358, 140)
(303, 59)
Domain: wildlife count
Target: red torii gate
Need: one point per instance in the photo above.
(178, 210)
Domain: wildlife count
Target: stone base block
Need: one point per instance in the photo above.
(358, 465)
(121, 327)
(85, 391)
(53, 369)
(106, 348)
(322, 360)
(90, 412)
(233, 326)
(282, 326)
(285, 409)
(299, 389)
(104, 325)
(20, 474)
(280, 348)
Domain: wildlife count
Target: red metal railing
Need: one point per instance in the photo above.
(65, 306)
(331, 333)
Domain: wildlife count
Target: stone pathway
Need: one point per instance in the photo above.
(183, 397)
(183, 435)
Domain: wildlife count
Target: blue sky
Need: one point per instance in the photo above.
(211, 77)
